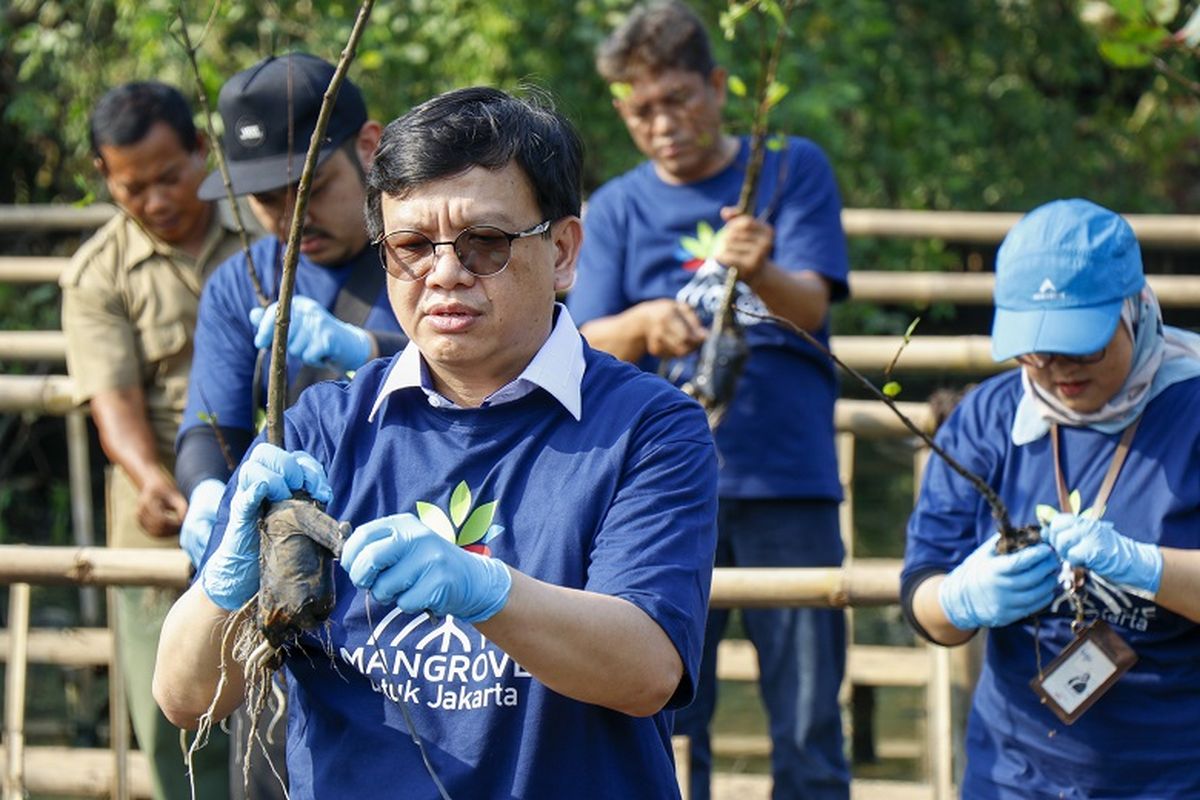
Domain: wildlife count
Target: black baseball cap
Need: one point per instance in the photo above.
(254, 105)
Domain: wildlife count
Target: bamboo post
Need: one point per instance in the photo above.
(83, 524)
(943, 726)
(845, 461)
(14, 692)
(118, 713)
(681, 746)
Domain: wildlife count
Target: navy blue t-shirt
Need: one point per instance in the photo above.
(1141, 738)
(646, 239)
(622, 502)
(221, 382)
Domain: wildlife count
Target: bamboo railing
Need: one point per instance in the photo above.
(974, 227)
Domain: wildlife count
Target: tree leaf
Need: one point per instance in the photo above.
(1162, 11)
(620, 90)
(1120, 54)
(737, 85)
(436, 520)
(776, 92)
(460, 503)
(777, 142)
(477, 526)
(891, 389)
(1045, 513)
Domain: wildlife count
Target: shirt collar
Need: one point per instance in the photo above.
(557, 367)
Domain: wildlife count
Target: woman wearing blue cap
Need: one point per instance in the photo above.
(1091, 682)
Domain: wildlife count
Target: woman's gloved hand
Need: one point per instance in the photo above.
(1098, 546)
(989, 590)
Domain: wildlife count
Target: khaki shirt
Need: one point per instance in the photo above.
(129, 310)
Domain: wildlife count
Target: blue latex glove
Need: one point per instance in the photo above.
(1096, 545)
(990, 590)
(315, 336)
(400, 560)
(197, 525)
(230, 576)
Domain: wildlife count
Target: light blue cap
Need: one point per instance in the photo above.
(1062, 273)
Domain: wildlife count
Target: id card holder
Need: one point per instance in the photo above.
(1084, 671)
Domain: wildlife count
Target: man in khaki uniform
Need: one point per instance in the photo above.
(130, 299)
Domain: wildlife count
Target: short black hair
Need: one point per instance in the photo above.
(126, 113)
(478, 127)
(654, 38)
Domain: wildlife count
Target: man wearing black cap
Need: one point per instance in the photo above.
(340, 312)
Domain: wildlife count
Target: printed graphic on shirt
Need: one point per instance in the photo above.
(703, 292)
(467, 528)
(438, 663)
(1119, 606)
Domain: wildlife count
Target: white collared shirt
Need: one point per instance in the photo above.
(557, 367)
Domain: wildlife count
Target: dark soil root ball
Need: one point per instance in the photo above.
(296, 589)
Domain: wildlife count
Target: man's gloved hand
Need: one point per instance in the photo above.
(400, 560)
(198, 522)
(315, 336)
(1101, 548)
(991, 591)
(230, 576)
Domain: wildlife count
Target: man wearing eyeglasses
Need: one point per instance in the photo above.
(340, 314)
(524, 590)
(651, 277)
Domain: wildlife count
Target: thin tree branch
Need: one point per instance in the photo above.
(277, 384)
(999, 510)
(185, 40)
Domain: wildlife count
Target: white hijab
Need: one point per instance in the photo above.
(1162, 356)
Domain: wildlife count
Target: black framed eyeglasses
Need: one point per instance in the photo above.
(1043, 360)
(483, 250)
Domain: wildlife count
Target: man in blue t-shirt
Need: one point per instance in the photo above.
(340, 314)
(650, 277)
(521, 602)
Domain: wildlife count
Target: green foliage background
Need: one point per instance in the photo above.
(977, 104)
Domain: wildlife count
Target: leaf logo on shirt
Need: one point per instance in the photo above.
(470, 529)
(701, 247)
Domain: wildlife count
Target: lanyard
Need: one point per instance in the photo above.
(1110, 478)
